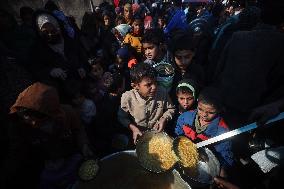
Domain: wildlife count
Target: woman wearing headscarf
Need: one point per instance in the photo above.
(56, 57)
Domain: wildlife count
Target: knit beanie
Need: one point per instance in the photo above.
(123, 53)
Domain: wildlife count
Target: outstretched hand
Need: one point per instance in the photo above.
(262, 114)
(135, 132)
(224, 184)
(160, 125)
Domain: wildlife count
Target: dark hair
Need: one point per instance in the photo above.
(212, 96)
(120, 18)
(140, 71)
(185, 89)
(182, 41)
(25, 11)
(137, 17)
(155, 36)
(114, 83)
(107, 13)
(51, 6)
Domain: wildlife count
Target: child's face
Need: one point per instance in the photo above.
(161, 22)
(186, 100)
(151, 50)
(137, 26)
(127, 13)
(118, 35)
(206, 112)
(147, 87)
(119, 61)
(183, 58)
(107, 20)
(97, 70)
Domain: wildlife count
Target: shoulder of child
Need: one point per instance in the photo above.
(162, 90)
(128, 95)
(223, 127)
(188, 115)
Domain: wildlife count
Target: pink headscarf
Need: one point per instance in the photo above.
(148, 22)
(135, 8)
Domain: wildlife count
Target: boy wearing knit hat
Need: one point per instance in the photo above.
(120, 66)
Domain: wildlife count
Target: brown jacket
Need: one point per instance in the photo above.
(44, 99)
(145, 113)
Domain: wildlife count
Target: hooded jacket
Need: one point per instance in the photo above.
(67, 135)
(30, 146)
(185, 126)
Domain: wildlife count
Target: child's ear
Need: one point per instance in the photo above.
(162, 46)
(133, 85)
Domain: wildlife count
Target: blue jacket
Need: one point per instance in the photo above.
(185, 126)
(178, 21)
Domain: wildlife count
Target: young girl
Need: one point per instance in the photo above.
(134, 38)
(186, 95)
(206, 122)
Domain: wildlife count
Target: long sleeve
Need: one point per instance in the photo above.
(224, 150)
(178, 129)
(123, 117)
(123, 112)
(169, 109)
(177, 22)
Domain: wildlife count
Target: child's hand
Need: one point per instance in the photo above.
(160, 125)
(136, 132)
(224, 184)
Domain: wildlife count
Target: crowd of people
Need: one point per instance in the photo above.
(193, 69)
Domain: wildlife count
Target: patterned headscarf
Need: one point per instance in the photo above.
(123, 29)
(46, 18)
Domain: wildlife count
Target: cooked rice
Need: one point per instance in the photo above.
(156, 153)
(188, 154)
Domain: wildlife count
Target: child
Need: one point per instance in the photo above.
(161, 22)
(149, 106)
(186, 95)
(120, 67)
(154, 51)
(97, 69)
(153, 46)
(120, 32)
(86, 107)
(134, 38)
(127, 13)
(206, 122)
(119, 20)
(122, 58)
(183, 49)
